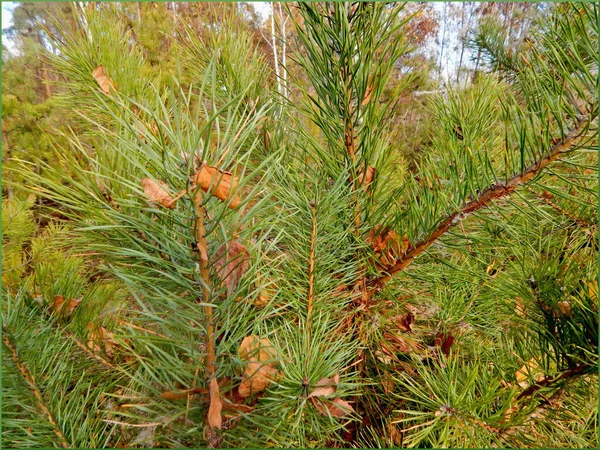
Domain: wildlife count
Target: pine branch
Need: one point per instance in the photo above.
(578, 370)
(493, 192)
(214, 412)
(35, 391)
(311, 271)
(580, 223)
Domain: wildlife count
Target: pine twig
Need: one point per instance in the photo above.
(493, 192)
(311, 271)
(578, 370)
(35, 391)
(582, 224)
(202, 246)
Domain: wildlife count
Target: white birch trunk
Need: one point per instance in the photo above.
(274, 45)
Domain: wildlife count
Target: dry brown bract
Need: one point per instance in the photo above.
(217, 182)
(216, 405)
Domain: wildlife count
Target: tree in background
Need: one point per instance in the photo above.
(228, 276)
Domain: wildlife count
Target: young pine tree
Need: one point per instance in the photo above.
(296, 289)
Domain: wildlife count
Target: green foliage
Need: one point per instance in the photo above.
(489, 337)
(18, 228)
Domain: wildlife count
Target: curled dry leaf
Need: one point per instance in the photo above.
(263, 130)
(337, 407)
(260, 370)
(237, 407)
(404, 321)
(101, 340)
(217, 182)
(157, 192)
(66, 308)
(101, 76)
(235, 410)
(216, 405)
(444, 342)
(231, 260)
(325, 387)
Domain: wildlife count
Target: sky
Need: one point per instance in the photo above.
(7, 14)
(7, 21)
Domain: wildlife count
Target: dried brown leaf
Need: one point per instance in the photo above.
(238, 407)
(66, 308)
(101, 76)
(231, 260)
(157, 192)
(216, 405)
(325, 387)
(404, 321)
(217, 183)
(260, 365)
(337, 407)
(444, 342)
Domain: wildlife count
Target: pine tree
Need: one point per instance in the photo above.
(293, 288)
